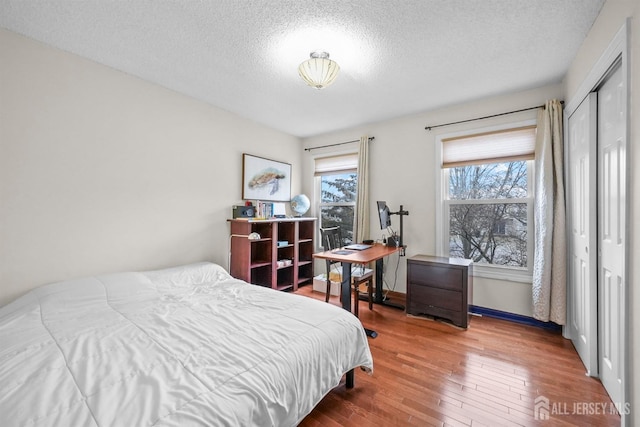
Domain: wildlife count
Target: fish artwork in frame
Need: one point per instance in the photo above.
(265, 179)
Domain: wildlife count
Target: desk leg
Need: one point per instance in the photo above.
(345, 294)
(378, 298)
(345, 287)
(379, 279)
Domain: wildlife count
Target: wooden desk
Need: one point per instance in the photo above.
(375, 253)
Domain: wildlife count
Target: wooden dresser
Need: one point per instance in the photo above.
(440, 287)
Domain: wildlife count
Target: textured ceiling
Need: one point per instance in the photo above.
(396, 57)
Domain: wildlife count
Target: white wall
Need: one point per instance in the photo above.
(103, 172)
(611, 19)
(403, 168)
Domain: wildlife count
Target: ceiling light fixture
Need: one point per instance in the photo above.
(319, 71)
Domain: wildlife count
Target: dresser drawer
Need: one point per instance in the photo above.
(424, 296)
(458, 318)
(439, 277)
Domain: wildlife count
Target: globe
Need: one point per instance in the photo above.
(300, 204)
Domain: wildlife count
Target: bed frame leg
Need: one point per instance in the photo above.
(350, 378)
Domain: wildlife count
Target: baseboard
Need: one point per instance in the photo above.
(517, 318)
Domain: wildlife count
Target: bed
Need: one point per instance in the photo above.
(183, 346)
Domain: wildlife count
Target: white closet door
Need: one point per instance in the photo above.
(581, 197)
(611, 230)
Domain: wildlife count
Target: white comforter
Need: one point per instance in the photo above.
(177, 347)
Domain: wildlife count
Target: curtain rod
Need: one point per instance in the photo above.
(371, 138)
(487, 117)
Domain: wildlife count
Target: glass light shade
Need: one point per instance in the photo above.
(319, 71)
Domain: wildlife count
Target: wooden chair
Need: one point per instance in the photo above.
(332, 239)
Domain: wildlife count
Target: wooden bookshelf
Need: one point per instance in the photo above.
(282, 258)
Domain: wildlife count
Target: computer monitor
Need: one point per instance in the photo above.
(395, 239)
(385, 215)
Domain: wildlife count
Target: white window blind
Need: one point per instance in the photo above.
(490, 147)
(342, 163)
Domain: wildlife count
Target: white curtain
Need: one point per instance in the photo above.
(549, 268)
(362, 204)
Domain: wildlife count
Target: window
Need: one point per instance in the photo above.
(336, 183)
(487, 201)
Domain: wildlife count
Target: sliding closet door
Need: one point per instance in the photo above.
(581, 198)
(611, 230)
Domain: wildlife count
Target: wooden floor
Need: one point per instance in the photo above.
(430, 373)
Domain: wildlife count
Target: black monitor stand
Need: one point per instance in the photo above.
(379, 297)
(401, 213)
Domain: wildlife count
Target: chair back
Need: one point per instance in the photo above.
(331, 239)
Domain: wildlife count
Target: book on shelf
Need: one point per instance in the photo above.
(264, 210)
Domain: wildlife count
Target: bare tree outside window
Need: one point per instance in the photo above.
(337, 203)
(488, 213)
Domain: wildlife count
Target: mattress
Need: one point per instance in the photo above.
(177, 347)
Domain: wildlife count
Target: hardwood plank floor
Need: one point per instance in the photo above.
(431, 373)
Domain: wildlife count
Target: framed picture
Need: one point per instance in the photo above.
(264, 179)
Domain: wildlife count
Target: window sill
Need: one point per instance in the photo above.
(499, 273)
